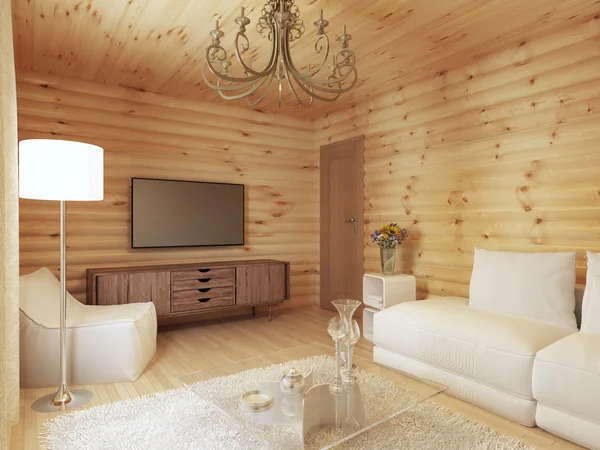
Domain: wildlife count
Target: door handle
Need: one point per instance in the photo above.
(353, 221)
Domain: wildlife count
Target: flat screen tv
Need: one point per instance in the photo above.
(169, 213)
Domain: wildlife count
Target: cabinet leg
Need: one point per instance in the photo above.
(253, 311)
(270, 316)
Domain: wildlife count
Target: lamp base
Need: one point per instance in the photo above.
(45, 404)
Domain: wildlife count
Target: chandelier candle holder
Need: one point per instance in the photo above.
(281, 25)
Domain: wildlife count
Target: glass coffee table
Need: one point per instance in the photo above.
(320, 418)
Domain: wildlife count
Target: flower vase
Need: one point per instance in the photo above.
(388, 260)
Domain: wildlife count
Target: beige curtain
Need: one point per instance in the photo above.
(9, 231)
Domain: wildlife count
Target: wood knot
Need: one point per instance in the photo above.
(538, 220)
(119, 203)
(485, 236)
(523, 188)
(527, 208)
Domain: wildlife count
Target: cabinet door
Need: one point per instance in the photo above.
(112, 289)
(252, 284)
(152, 287)
(260, 283)
(277, 282)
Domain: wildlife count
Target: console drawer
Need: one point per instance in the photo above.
(201, 302)
(201, 272)
(203, 292)
(202, 283)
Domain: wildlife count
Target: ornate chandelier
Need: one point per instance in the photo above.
(280, 23)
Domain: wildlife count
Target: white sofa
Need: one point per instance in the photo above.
(484, 348)
(566, 374)
(484, 358)
(105, 344)
(566, 384)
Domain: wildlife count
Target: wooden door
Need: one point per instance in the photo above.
(342, 225)
(152, 287)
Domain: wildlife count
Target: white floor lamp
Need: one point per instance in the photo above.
(62, 171)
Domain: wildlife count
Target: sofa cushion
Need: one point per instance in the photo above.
(590, 317)
(566, 375)
(535, 285)
(492, 348)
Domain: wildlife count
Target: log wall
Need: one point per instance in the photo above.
(154, 136)
(502, 154)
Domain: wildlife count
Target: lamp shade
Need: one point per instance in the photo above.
(51, 169)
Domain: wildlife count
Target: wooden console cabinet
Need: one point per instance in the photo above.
(185, 289)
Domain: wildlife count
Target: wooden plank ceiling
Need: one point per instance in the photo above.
(158, 45)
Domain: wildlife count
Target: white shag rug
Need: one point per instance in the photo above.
(184, 419)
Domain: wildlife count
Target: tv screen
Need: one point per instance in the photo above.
(166, 213)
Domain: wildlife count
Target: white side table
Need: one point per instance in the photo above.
(383, 291)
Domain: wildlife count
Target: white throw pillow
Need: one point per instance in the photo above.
(590, 315)
(535, 285)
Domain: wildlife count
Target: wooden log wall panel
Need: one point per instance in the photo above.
(149, 135)
(500, 154)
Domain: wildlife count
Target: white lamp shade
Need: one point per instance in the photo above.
(51, 169)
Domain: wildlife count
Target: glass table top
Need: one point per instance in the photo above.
(318, 418)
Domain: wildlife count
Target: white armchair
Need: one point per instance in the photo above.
(105, 344)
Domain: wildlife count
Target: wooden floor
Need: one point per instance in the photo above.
(196, 347)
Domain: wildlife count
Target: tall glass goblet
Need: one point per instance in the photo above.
(336, 330)
(350, 339)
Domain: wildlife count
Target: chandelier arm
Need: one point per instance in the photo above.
(293, 90)
(235, 86)
(341, 90)
(228, 78)
(252, 104)
(252, 89)
(247, 69)
(346, 54)
(310, 73)
(310, 90)
(319, 84)
(316, 82)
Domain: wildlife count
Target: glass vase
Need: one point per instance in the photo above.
(346, 309)
(388, 260)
